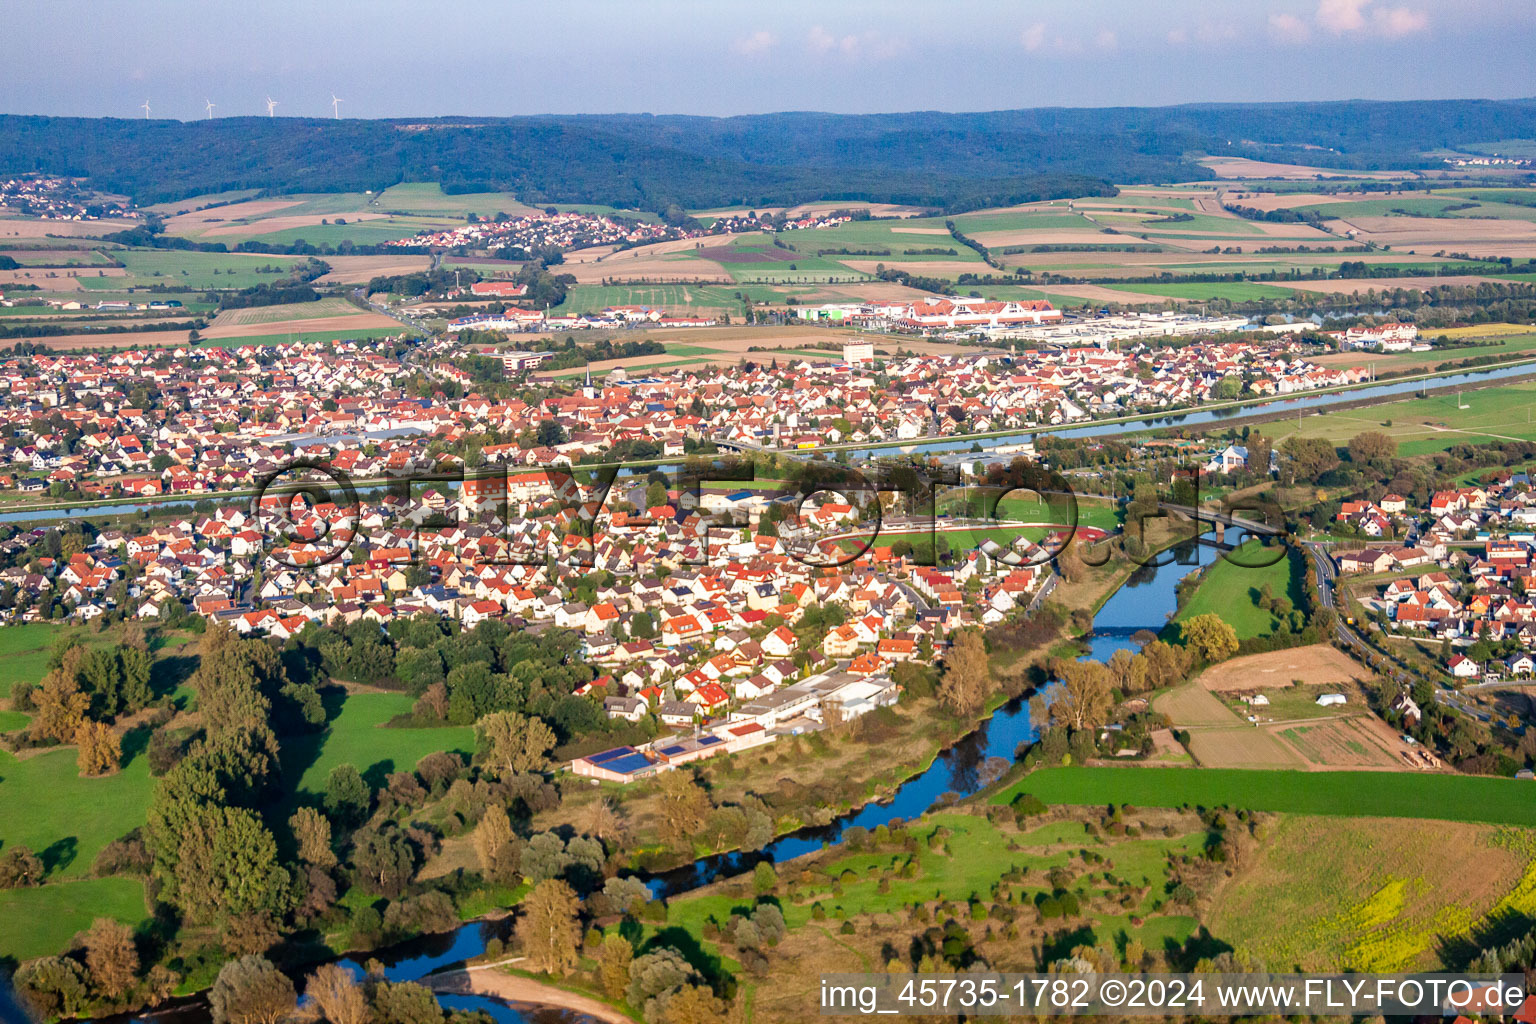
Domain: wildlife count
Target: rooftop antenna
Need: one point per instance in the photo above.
(208, 106)
(335, 107)
(271, 106)
(146, 110)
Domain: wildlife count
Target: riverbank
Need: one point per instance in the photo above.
(494, 981)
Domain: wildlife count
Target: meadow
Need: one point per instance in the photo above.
(1370, 894)
(1350, 794)
(1432, 424)
(1236, 291)
(1231, 590)
(356, 735)
(42, 920)
(192, 270)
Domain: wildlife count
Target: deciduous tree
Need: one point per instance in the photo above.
(514, 742)
(963, 687)
(312, 831)
(549, 930)
(1210, 636)
(110, 957)
(251, 991)
(337, 995)
(99, 748)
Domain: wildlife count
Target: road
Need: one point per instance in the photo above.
(1327, 576)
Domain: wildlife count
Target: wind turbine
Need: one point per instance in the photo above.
(271, 106)
(208, 106)
(335, 107)
(146, 110)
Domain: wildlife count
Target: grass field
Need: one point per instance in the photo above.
(42, 920)
(63, 818)
(671, 298)
(428, 198)
(1236, 291)
(1351, 794)
(1367, 894)
(978, 853)
(24, 651)
(332, 307)
(1232, 590)
(354, 736)
(1421, 425)
(195, 270)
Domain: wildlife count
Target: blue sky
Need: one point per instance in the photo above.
(389, 58)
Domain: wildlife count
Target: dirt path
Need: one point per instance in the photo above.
(482, 980)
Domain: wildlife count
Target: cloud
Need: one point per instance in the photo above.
(873, 45)
(758, 42)
(1033, 38)
(1177, 37)
(1289, 28)
(1106, 40)
(1341, 15)
(1395, 22)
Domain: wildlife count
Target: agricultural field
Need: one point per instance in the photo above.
(1235, 291)
(1373, 894)
(1218, 738)
(318, 310)
(143, 268)
(1315, 665)
(671, 298)
(1502, 347)
(427, 198)
(1432, 424)
(1347, 793)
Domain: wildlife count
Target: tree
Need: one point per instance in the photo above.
(251, 991)
(337, 995)
(227, 866)
(100, 749)
(656, 494)
(405, 1002)
(347, 796)
(19, 868)
(60, 703)
(1372, 448)
(312, 830)
(496, 846)
(1308, 457)
(549, 930)
(1083, 699)
(50, 986)
(385, 861)
(514, 742)
(684, 806)
(1210, 636)
(613, 962)
(110, 957)
(964, 685)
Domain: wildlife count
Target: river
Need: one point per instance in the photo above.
(1144, 601)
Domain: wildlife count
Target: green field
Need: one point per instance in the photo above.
(24, 650)
(1352, 794)
(355, 736)
(1231, 590)
(978, 853)
(892, 236)
(1433, 424)
(41, 921)
(429, 199)
(1236, 291)
(290, 311)
(63, 818)
(1414, 206)
(192, 270)
(669, 298)
(1051, 218)
(302, 336)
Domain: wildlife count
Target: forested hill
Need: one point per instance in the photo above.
(953, 161)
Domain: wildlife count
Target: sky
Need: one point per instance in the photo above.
(387, 58)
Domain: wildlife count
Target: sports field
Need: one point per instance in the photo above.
(1353, 794)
